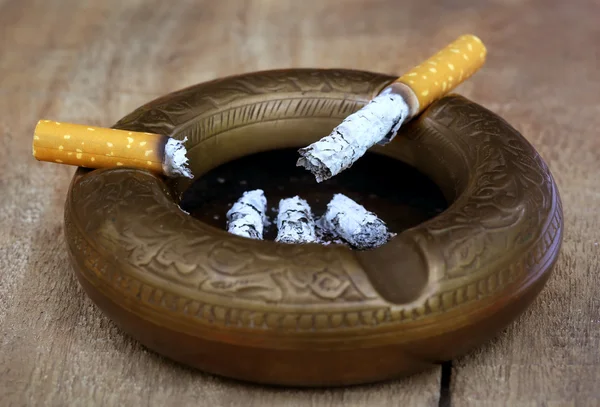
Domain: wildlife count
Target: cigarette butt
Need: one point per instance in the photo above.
(98, 147)
(295, 222)
(247, 215)
(353, 223)
(445, 70)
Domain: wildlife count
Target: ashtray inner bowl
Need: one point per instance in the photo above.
(399, 194)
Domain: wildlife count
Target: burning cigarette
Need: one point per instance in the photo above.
(247, 216)
(98, 147)
(353, 223)
(379, 121)
(295, 222)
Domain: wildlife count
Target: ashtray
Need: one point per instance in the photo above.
(314, 315)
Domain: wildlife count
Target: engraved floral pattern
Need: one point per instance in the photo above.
(164, 241)
(508, 190)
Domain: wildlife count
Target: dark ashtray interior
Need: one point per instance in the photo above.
(396, 192)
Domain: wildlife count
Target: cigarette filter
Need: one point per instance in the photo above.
(444, 71)
(98, 147)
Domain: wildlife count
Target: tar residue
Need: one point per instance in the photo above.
(397, 193)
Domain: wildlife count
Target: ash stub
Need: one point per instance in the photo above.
(398, 194)
(295, 222)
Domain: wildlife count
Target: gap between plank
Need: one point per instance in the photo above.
(445, 399)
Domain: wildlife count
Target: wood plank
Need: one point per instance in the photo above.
(92, 62)
(549, 356)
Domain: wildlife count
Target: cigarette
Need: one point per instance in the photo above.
(353, 223)
(247, 216)
(379, 120)
(99, 147)
(353, 137)
(295, 222)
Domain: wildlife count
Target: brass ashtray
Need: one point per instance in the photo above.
(312, 315)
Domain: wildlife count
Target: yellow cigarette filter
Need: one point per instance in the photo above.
(443, 72)
(98, 147)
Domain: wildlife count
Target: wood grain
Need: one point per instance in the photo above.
(93, 62)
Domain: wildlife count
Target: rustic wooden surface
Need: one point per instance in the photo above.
(92, 62)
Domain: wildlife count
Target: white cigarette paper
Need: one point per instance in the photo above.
(379, 119)
(353, 223)
(295, 222)
(247, 216)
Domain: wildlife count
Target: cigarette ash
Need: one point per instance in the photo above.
(175, 159)
(247, 215)
(325, 236)
(376, 122)
(345, 222)
(354, 224)
(295, 222)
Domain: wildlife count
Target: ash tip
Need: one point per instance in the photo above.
(314, 165)
(175, 163)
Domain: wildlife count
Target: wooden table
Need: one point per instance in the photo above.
(94, 61)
